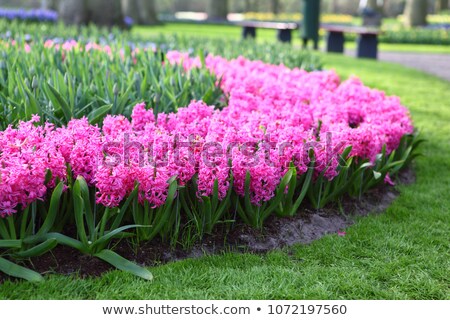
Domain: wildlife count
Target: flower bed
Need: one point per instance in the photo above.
(41, 15)
(285, 136)
(56, 80)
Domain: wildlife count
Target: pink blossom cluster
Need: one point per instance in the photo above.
(276, 98)
(273, 117)
(27, 154)
(26, 46)
(75, 46)
(70, 45)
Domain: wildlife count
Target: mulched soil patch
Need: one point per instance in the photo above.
(308, 225)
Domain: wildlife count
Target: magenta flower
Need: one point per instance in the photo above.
(273, 117)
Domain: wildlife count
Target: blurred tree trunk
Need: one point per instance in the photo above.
(441, 5)
(105, 12)
(130, 9)
(101, 12)
(217, 9)
(251, 6)
(275, 6)
(73, 11)
(180, 5)
(387, 8)
(334, 6)
(247, 6)
(53, 4)
(141, 11)
(255, 6)
(416, 13)
(148, 11)
(49, 4)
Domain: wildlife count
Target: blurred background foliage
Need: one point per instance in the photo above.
(147, 11)
(403, 21)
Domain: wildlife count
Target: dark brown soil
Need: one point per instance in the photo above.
(308, 225)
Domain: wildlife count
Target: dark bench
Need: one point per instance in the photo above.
(284, 29)
(367, 41)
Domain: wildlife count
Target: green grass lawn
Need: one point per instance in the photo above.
(264, 35)
(403, 253)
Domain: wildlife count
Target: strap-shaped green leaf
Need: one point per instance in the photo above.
(38, 250)
(249, 212)
(11, 244)
(206, 212)
(62, 239)
(215, 196)
(88, 212)
(97, 115)
(225, 203)
(103, 240)
(52, 210)
(123, 264)
(14, 270)
(305, 187)
(118, 220)
(275, 201)
(346, 185)
(78, 210)
(163, 213)
(291, 187)
(59, 102)
(4, 233)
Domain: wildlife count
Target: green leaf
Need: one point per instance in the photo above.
(60, 238)
(81, 112)
(247, 201)
(33, 104)
(201, 55)
(346, 185)
(4, 233)
(215, 195)
(14, 270)
(102, 241)
(305, 188)
(206, 212)
(97, 115)
(188, 208)
(48, 176)
(225, 203)
(344, 155)
(52, 211)
(124, 264)
(164, 213)
(79, 212)
(84, 193)
(275, 201)
(38, 250)
(242, 213)
(124, 207)
(291, 188)
(59, 102)
(12, 244)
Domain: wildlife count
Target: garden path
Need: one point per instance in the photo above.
(437, 64)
